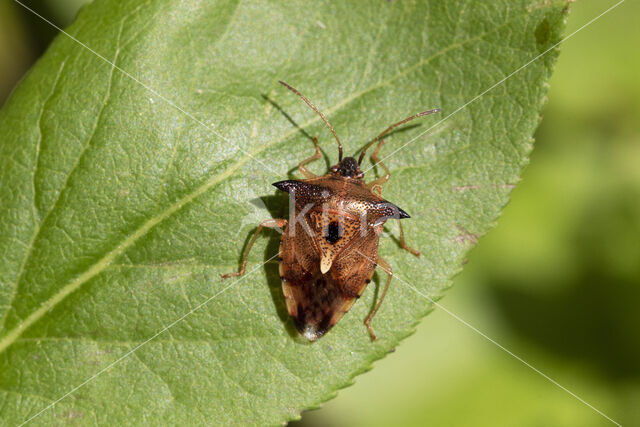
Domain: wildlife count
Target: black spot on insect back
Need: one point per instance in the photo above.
(333, 232)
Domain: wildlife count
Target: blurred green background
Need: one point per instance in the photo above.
(557, 282)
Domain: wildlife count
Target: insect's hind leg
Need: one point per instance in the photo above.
(387, 269)
(271, 223)
(403, 244)
(377, 183)
(303, 170)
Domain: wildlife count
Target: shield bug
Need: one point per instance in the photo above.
(329, 245)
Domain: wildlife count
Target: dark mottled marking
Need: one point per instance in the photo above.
(300, 319)
(367, 281)
(315, 307)
(324, 324)
(333, 233)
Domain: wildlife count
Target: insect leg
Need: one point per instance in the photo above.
(403, 244)
(376, 160)
(387, 269)
(378, 183)
(271, 223)
(304, 171)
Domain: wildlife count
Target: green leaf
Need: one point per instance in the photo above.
(127, 189)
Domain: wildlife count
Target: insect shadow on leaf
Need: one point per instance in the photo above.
(274, 206)
(278, 206)
(325, 156)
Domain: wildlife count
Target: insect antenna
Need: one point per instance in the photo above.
(324, 119)
(384, 132)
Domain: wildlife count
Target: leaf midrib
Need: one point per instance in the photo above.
(8, 339)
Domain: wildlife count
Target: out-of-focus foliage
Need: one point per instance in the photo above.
(24, 36)
(557, 282)
(15, 52)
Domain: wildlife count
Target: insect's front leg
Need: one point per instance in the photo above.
(377, 183)
(387, 269)
(303, 170)
(271, 223)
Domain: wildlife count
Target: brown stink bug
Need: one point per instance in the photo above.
(329, 246)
